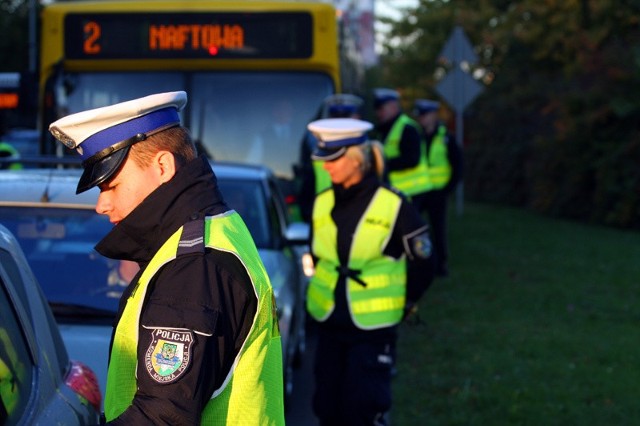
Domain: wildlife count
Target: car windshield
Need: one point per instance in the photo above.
(248, 199)
(59, 245)
(258, 118)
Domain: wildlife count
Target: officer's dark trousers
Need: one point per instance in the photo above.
(353, 381)
(434, 203)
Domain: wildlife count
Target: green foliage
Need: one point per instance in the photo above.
(556, 128)
(536, 325)
(14, 46)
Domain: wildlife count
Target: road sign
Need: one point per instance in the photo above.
(459, 89)
(458, 48)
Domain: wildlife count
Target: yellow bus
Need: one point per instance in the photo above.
(255, 72)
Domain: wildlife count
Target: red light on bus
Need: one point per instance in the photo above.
(9, 100)
(213, 50)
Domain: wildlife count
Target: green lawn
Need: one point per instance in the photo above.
(537, 324)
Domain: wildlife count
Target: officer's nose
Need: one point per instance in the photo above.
(103, 205)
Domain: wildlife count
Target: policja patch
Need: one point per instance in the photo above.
(418, 244)
(169, 354)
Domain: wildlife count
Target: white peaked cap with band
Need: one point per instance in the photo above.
(335, 135)
(103, 136)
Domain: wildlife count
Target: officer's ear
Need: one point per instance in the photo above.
(164, 163)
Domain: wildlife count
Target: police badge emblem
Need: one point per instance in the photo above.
(419, 245)
(169, 354)
(62, 137)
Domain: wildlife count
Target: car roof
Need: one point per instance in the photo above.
(56, 187)
(44, 186)
(230, 170)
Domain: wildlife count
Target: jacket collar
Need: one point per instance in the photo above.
(193, 192)
(365, 187)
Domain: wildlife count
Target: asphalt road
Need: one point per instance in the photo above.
(299, 412)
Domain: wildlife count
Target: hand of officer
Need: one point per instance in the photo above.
(410, 310)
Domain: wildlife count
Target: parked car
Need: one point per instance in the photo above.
(59, 229)
(38, 382)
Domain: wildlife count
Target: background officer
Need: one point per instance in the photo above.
(7, 150)
(403, 148)
(373, 262)
(445, 171)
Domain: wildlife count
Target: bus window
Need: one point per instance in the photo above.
(232, 115)
(237, 116)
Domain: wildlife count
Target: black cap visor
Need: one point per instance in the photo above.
(324, 154)
(100, 171)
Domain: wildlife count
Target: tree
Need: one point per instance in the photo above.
(14, 43)
(557, 128)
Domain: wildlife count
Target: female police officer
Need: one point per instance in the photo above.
(373, 262)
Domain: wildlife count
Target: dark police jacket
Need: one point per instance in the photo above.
(208, 292)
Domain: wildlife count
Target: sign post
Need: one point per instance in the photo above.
(459, 88)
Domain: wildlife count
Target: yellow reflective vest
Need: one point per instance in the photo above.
(376, 284)
(439, 166)
(322, 177)
(252, 393)
(416, 179)
(12, 373)
(9, 149)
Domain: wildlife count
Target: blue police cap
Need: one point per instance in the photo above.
(103, 136)
(382, 95)
(423, 106)
(335, 135)
(342, 105)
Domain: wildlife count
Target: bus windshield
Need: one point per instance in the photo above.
(249, 117)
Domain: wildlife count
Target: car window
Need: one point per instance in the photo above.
(274, 221)
(280, 206)
(248, 199)
(16, 365)
(59, 246)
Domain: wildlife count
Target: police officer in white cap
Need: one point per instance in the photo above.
(403, 145)
(342, 105)
(373, 262)
(196, 339)
(313, 176)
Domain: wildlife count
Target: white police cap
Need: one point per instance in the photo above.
(342, 105)
(103, 136)
(335, 135)
(383, 95)
(423, 106)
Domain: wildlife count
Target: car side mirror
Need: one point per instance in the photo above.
(297, 233)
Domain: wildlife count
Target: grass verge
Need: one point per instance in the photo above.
(537, 324)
